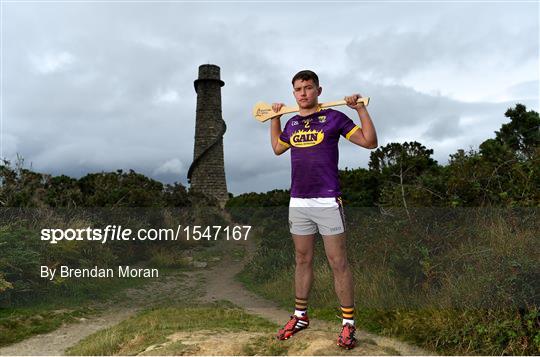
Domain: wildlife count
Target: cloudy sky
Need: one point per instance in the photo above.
(100, 86)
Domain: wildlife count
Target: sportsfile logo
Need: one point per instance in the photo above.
(306, 138)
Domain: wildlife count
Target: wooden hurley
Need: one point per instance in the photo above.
(263, 111)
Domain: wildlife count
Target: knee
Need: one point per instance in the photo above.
(338, 264)
(304, 258)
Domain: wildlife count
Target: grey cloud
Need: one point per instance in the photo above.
(95, 108)
(394, 53)
(528, 89)
(446, 126)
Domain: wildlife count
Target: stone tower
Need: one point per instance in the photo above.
(207, 171)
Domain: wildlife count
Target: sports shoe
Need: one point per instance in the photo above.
(346, 338)
(294, 325)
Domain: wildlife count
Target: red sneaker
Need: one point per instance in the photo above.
(294, 325)
(346, 338)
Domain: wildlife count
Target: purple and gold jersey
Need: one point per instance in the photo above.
(313, 140)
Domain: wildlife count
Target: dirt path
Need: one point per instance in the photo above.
(54, 343)
(219, 284)
(128, 304)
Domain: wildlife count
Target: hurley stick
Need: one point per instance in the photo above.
(263, 111)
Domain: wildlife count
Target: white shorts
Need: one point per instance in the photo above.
(308, 216)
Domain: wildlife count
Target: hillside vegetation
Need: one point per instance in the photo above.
(445, 256)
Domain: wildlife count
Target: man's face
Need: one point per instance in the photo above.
(306, 93)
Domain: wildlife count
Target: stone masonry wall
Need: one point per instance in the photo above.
(208, 175)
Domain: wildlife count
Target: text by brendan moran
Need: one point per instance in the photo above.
(122, 271)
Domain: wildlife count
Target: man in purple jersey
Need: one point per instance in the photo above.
(315, 204)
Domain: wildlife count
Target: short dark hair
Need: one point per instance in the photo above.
(306, 75)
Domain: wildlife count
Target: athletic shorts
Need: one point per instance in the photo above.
(311, 215)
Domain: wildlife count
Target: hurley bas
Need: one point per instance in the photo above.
(123, 271)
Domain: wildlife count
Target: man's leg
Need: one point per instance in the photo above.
(336, 252)
(303, 278)
(303, 273)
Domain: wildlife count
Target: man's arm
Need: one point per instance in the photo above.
(366, 136)
(278, 146)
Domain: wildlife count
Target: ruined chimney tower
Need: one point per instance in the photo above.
(207, 171)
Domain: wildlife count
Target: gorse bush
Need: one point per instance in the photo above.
(32, 201)
(20, 187)
(23, 253)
